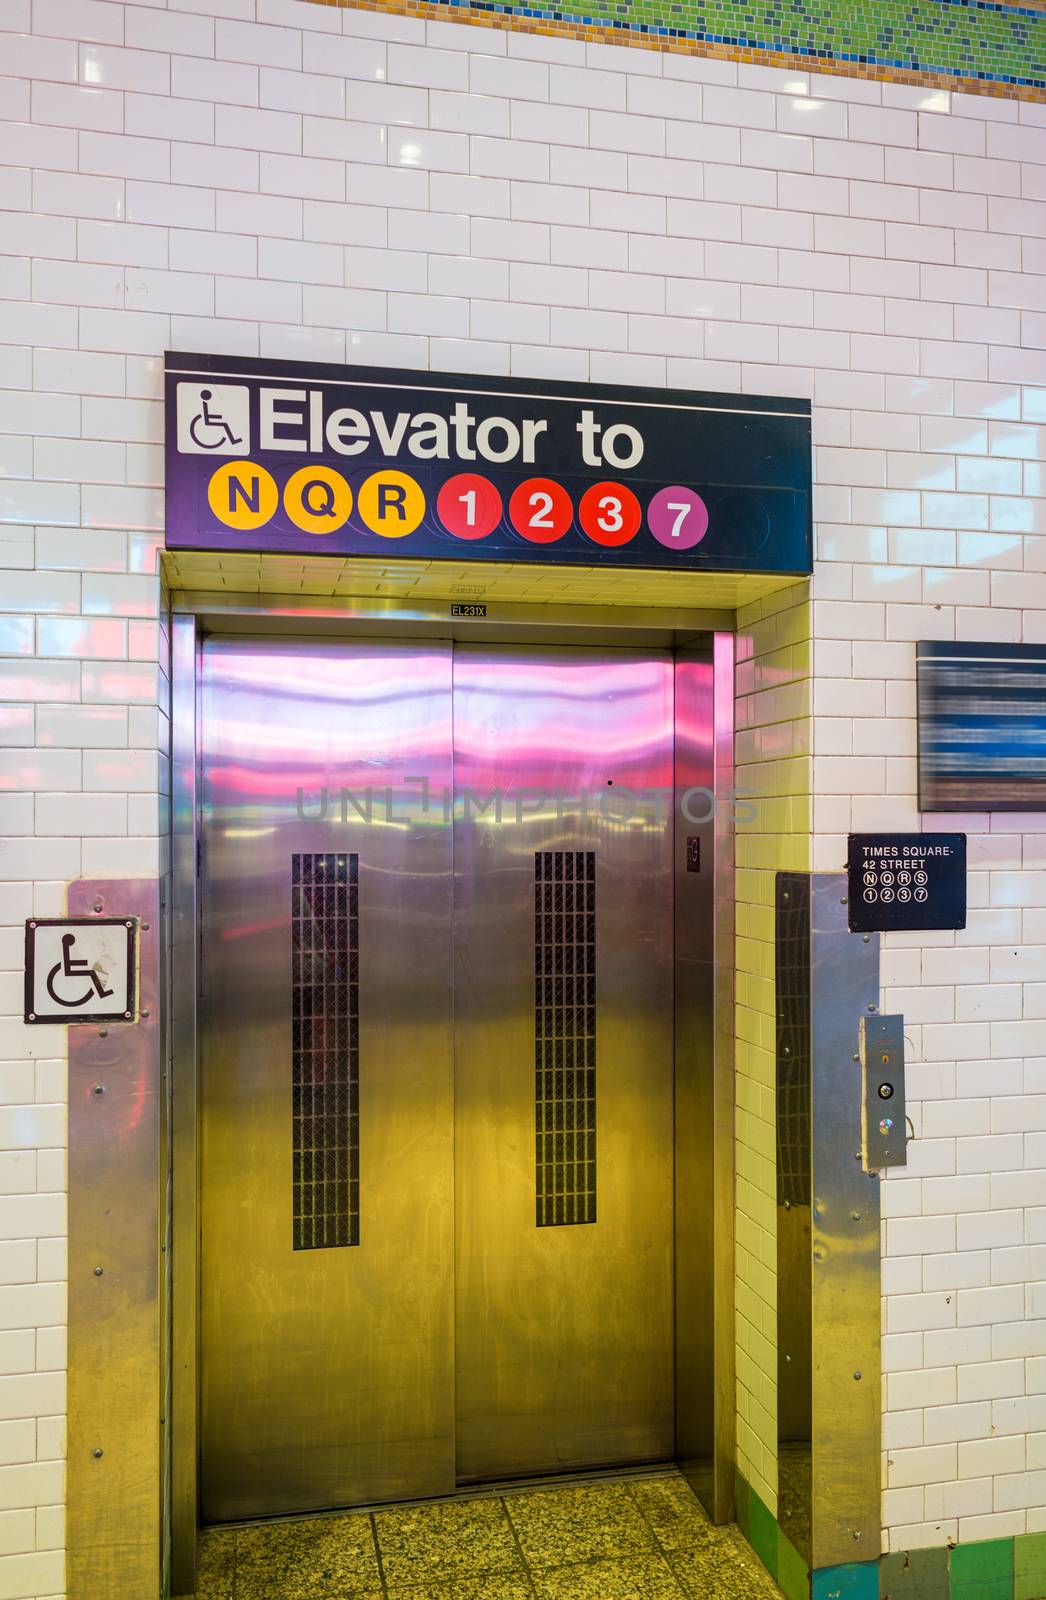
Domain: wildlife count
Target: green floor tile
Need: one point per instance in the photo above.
(1029, 1567)
(762, 1534)
(982, 1570)
(793, 1574)
(914, 1575)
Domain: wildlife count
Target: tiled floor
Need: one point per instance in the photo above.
(627, 1538)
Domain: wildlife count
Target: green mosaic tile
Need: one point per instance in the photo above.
(763, 1533)
(793, 1574)
(914, 1575)
(989, 42)
(1029, 1567)
(982, 1571)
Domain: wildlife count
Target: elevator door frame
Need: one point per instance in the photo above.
(709, 1101)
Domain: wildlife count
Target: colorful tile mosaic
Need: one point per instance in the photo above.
(980, 46)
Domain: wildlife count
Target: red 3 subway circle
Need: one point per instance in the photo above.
(292, 457)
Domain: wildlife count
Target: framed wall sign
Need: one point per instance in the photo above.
(294, 457)
(909, 881)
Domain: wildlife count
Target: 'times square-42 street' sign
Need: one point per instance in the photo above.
(287, 456)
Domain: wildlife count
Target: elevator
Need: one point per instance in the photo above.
(455, 994)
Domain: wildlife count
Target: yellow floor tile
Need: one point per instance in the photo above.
(438, 1543)
(632, 1577)
(578, 1523)
(628, 1538)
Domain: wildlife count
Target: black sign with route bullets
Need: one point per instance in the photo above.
(906, 881)
(298, 458)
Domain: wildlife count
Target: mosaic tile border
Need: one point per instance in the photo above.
(1002, 53)
(986, 1569)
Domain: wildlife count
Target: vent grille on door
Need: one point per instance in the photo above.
(325, 1049)
(565, 1035)
(792, 984)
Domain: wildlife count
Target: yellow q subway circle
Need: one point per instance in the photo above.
(243, 495)
(391, 503)
(317, 500)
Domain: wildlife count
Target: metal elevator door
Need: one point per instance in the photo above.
(563, 1050)
(436, 1068)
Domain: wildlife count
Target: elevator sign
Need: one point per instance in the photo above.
(913, 881)
(362, 461)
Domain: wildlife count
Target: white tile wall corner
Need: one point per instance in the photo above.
(272, 177)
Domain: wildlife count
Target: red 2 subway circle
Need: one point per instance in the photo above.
(293, 457)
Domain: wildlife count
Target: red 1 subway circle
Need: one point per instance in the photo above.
(294, 457)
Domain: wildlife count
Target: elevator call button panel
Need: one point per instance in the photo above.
(884, 1124)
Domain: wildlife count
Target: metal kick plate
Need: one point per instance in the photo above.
(884, 1140)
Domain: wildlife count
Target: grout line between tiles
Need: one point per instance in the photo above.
(377, 1553)
(684, 1588)
(528, 1574)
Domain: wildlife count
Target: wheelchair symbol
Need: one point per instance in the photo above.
(72, 966)
(206, 418)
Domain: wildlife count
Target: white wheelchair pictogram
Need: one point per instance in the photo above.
(206, 418)
(72, 966)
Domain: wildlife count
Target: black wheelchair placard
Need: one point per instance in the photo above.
(914, 881)
(81, 969)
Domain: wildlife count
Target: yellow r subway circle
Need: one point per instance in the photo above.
(243, 495)
(317, 500)
(390, 503)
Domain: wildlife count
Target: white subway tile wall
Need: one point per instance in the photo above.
(293, 180)
(774, 818)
